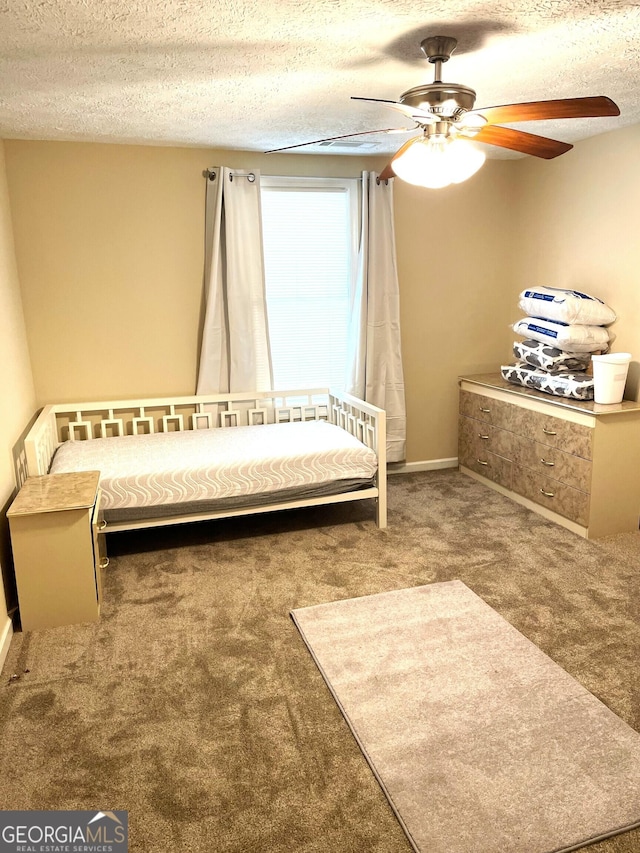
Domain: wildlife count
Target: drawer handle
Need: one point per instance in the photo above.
(480, 462)
(549, 464)
(486, 411)
(102, 524)
(549, 431)
(483, 437)
(104, 563)
(548, 494)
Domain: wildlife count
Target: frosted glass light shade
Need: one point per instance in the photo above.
(438, 161)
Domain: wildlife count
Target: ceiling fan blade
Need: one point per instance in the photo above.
(412, 112)
(541, 110)
(518, 140)
(344, 136)
(388, 172)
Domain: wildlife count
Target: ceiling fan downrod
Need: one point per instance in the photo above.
(438, 49)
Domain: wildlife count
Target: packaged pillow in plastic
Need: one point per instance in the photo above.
(578, 386)
(566, 306)
(548, 357)
(570, 338)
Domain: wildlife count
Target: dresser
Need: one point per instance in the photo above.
(575, 462)
(58, 549)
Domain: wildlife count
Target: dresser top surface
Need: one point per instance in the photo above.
(495, 381)
(56, 493)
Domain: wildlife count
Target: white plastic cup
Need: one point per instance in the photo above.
(609, 376)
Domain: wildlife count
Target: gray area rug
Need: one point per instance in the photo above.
(480, 741)
(194, 704)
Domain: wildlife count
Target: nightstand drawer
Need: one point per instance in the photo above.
(558, 497)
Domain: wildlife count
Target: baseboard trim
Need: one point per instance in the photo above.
(5, 641)
(425, 465)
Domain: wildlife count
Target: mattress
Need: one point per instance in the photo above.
(183, 471)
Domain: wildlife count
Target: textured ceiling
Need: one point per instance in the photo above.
(261, 75)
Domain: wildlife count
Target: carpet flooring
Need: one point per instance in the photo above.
(194, 704)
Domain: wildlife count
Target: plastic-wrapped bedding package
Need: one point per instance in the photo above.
(578, 386)
(566, 306)
(547, 357)
(569, 338)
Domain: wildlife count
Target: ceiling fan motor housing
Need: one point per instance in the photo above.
(449, 100)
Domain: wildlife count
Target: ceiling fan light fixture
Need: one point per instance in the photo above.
(437, 161)
(470, 124)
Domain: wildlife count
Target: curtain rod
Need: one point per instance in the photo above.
(211, 174)
(316, 177)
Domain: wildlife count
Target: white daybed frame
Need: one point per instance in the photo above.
(85, 421)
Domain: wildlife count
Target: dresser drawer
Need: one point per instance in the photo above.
(571, 470)
(573, 438)
(495, 412)
(473, 454)
(558, 497)
(492, 438)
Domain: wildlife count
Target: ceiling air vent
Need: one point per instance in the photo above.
(343, 143)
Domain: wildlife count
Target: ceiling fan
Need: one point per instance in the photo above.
(446, 116)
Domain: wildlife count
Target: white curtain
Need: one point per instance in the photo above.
(375, 360)
(235, 353)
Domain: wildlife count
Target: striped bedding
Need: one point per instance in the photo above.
(145, 473)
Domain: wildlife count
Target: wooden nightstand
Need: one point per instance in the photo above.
(58, 549)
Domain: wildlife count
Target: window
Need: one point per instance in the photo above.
(310, 233)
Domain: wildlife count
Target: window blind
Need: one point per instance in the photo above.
(308, 254)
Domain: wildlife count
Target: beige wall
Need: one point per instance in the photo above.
(17, 398)
(579, 227)
(109, 245)
(109, 241)
(454, 251)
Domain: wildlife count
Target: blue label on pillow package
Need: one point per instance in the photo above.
(542, 331)
(531, 294)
